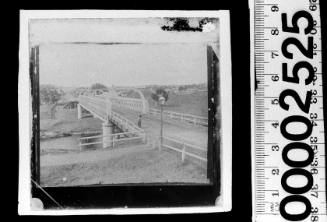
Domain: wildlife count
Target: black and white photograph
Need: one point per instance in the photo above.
(121, 98)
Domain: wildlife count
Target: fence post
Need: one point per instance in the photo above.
(183, 153)
(107, 131)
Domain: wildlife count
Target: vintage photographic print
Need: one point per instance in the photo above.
(125, 99)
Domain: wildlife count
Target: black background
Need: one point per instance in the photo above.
(240, 41)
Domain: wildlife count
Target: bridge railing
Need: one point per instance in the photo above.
(124, 123)
(99, 106)
(183, 117)
(185, 148)
(136, 104)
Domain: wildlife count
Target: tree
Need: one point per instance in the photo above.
(182, 88)
(159, 92)
(98, 86)
(49, 94)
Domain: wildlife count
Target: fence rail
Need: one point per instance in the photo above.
(183, 117)
(114, 137)
(184, 146)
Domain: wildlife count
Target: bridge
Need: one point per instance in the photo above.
(119, 110)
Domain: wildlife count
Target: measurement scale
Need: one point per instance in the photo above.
(281, 191)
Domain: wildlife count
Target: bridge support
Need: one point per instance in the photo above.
(107, 131)
(79, 111)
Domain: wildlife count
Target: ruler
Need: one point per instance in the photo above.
(288, 146)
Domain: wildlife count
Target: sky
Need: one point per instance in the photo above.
(123, 65)
(161, 57)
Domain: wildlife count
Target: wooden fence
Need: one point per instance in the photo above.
(115, 138)
(185, 148)
(183, 117)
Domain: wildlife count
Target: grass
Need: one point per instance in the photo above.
(143, 167)
(65, 121)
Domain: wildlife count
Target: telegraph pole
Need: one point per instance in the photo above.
(162, 102)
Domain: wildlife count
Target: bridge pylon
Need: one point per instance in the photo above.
(107, 131)
(79, 111)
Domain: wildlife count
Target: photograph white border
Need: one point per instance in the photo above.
(224, 202)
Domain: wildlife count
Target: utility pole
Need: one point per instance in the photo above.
(161, 97)
(161, 126)
(162, 102)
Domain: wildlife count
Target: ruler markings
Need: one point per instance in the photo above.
(265, 161)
